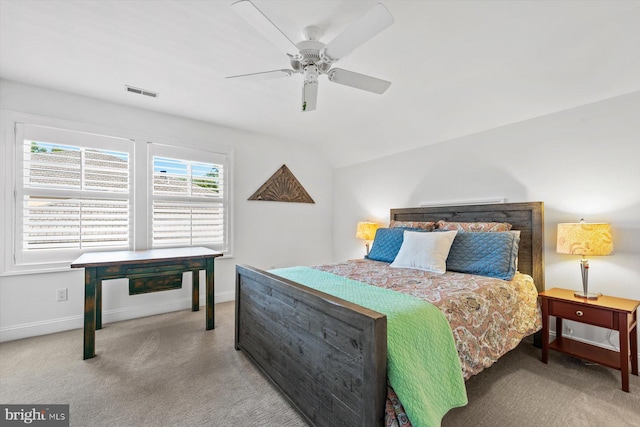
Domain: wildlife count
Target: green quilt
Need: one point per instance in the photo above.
(423, 366)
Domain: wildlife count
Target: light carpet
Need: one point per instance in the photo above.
(167, 370)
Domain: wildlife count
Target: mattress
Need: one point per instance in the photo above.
(488, 316)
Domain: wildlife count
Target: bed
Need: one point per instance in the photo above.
(328, 356)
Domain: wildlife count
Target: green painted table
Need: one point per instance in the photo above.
(148, 271)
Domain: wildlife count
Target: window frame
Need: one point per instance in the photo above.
(83, 140)
(140, 209)
(223, 157)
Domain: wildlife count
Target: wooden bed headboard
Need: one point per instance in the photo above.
(526, 217)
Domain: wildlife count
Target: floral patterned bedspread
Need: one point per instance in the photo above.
(488, 316)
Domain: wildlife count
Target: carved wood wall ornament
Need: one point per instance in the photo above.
(282, 187)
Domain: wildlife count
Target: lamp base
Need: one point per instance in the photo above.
(587, 295)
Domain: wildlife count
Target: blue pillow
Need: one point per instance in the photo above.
(486, 254)
(386, 244)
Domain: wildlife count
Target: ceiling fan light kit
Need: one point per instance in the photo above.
(313, 58)
(310, 90)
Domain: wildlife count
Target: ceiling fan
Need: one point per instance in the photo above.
(312, 58)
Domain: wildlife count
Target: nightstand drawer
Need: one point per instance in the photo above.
(590, 315)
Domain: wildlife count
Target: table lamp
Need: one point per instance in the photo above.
(366, 231)
(582, 238)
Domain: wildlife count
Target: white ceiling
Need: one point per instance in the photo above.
(456, 67)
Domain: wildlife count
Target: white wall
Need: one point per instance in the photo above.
(266, 234)
(582, 163)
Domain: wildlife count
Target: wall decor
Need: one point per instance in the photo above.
(282, 187)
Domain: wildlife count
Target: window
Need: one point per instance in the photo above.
(75, 188)
(188, 197)
(73, 193)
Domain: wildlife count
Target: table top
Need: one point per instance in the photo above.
(99, 259)
(604, 301)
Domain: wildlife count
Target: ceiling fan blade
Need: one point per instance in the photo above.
(264, 75)
(359, 81)
(260, 22)
(370, 24)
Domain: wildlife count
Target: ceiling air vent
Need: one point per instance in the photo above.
(141, 91)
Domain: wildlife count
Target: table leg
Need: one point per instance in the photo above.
(98, 304)
(633, 342)
(195, 290)
(623, 321)
(545, 330)
(559, 328)
(209, 297)
(89, 313)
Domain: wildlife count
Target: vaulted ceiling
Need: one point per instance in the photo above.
(456, 67)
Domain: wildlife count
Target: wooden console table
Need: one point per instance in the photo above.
(148, 271)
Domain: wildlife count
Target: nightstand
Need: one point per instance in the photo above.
(608, 312)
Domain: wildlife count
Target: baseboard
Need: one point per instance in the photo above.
(52, 326)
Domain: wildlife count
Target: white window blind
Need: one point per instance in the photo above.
(189, 204)
(74, 223)
(73, 193)
(176, 223)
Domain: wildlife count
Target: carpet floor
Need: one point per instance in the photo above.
(166, 370)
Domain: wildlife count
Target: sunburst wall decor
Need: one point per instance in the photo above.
(282, 187)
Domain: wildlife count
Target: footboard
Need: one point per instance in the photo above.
(326, 355)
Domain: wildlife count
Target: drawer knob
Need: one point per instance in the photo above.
(579, 313)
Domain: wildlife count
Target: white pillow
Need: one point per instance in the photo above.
(425, 251)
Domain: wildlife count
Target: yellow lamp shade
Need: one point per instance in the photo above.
(581, 238)
(366, 230)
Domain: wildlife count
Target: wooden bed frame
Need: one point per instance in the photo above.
(329, 356)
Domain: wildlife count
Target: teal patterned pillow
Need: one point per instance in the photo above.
(386, 244)
(485, 254)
